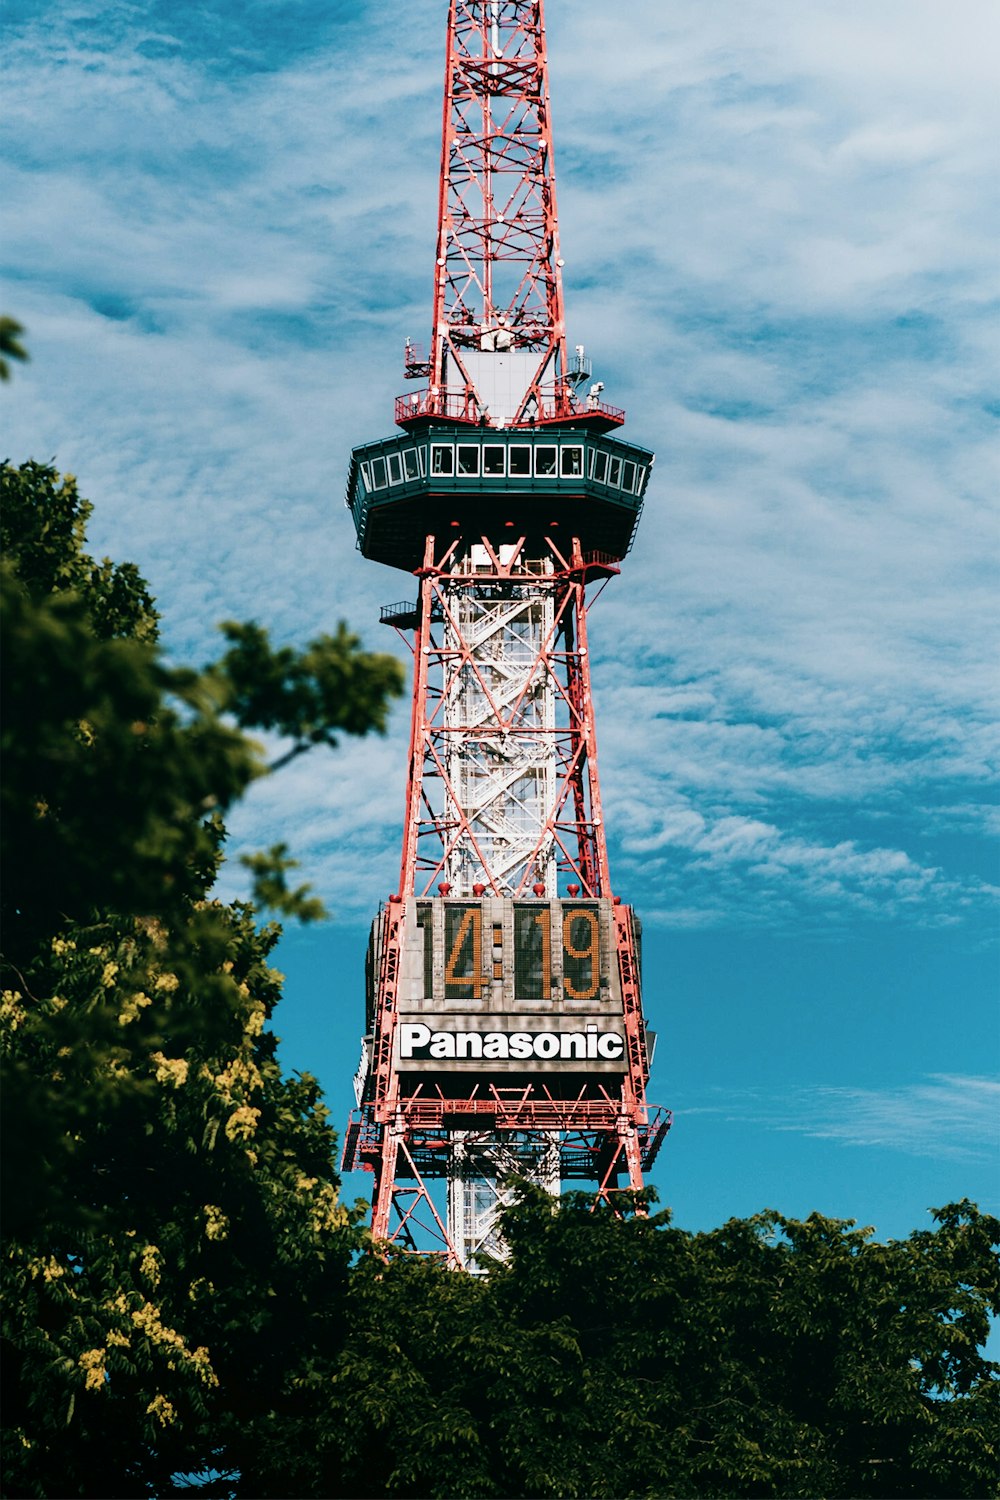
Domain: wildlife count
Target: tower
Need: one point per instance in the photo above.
(504, 1029)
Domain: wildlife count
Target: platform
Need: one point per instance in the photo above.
(561, 482)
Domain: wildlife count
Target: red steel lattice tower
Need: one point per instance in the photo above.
(505, 1036)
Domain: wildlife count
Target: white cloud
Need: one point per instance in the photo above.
(781, 253)
(944, 1116)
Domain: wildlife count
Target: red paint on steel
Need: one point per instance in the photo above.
(435, 817)
(498, 290)
(498, 269)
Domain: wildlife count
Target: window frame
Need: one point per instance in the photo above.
(436, 449)
(500, 448)
(566, 451)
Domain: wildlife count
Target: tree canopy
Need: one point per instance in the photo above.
(189, 1307)
(624, 1357)
(170, 1196)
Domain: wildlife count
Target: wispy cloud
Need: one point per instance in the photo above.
(944, 1116)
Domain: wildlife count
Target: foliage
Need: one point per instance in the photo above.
(43, 524)
(270, 868)
(627, 1358)
(192, 1235)
(10, 344)
(304, 695)
(172, 1226)
(117, 767)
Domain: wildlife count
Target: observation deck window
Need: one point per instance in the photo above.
(470, 460)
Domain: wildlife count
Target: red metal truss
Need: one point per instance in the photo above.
(598, 1141)
(459, 590)
(498, 231)
(497, 281)
(490, 1109)
(478, 604)
(600, 1152)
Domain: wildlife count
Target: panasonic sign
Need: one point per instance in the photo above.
(418, 1042)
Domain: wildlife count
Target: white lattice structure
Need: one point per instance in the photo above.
(482, 1176)
(499, 711)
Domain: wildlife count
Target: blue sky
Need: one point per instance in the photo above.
(780, 226)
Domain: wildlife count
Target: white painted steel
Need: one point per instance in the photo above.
(481, 1170)
(499, 712)
(504, 779)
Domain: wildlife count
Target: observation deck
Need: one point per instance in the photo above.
(446, 478)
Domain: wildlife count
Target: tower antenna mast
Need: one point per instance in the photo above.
(505, 1036)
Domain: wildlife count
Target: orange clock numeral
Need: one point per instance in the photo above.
(590, 954)
(470, 927)
(544, 922)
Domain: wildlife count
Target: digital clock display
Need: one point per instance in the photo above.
(506, 985)
(557, 948)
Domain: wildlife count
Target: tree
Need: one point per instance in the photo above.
(771, 1357)
(172, 1222)
(614, 1357)
(118, 768)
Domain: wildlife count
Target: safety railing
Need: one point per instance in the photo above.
(463, 406)
(564, 408)
(451, 406)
